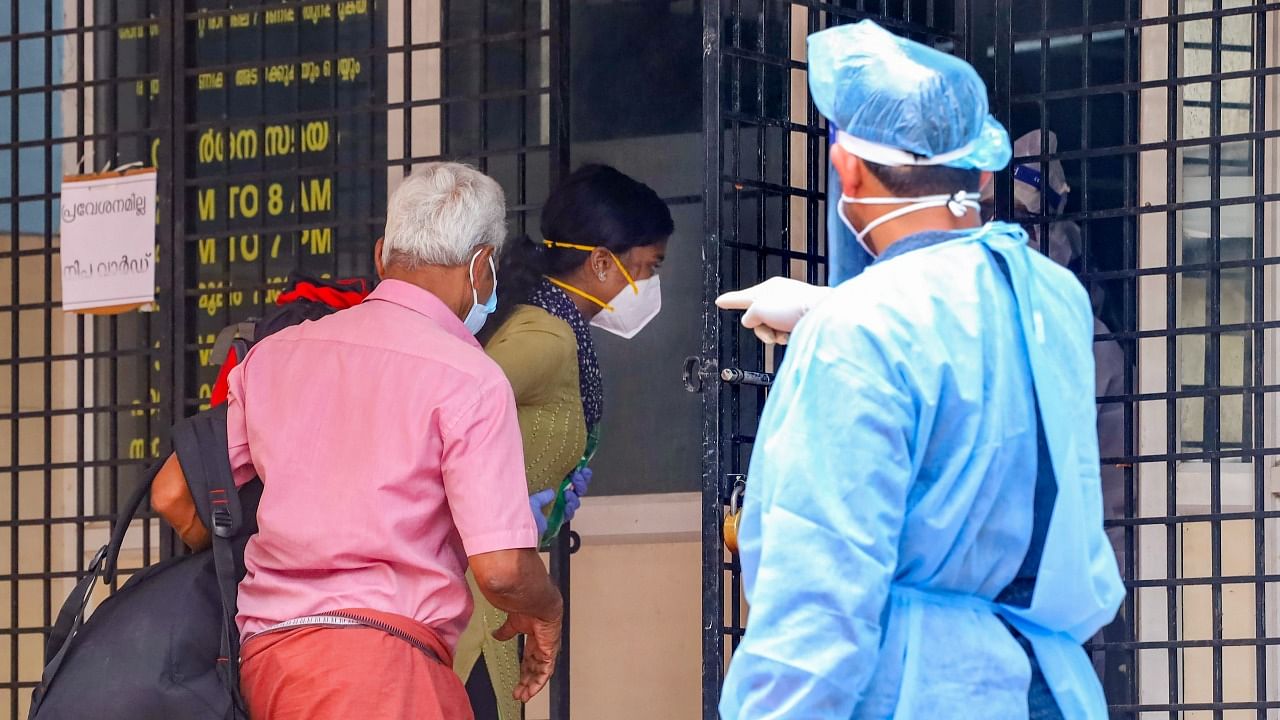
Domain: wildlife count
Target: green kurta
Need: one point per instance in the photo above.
(539, 354)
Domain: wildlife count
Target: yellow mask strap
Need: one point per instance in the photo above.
(591, 248)
(569, 288)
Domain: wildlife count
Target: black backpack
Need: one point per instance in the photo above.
(165, 645)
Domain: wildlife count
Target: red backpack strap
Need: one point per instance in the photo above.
(236, 339)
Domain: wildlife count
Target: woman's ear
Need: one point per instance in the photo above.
(600, 261)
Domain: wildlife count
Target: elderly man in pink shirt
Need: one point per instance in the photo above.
(391, 461)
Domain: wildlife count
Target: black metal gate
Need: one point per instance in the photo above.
(1166, 129)
(278, 129)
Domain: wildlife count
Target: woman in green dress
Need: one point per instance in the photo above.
(605, 238)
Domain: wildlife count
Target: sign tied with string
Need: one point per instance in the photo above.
(108, 239)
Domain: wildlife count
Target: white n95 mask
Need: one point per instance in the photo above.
(631, 309)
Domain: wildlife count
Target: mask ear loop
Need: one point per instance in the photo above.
(625, 274)
(591, 248)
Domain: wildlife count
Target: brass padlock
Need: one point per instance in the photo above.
(734, 517)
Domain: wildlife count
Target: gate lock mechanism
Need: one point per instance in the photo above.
(734, 517)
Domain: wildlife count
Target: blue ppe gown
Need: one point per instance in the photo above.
(891, 491)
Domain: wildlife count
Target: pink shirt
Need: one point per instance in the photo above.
(388, 448)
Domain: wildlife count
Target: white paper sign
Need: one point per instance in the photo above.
(108, 235)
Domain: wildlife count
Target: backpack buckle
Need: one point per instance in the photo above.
(222, 522)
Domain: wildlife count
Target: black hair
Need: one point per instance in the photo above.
(921, 180)
(595, 205)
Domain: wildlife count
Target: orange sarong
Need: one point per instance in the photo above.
(340, 673)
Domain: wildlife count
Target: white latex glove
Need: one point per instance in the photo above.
(774, 306)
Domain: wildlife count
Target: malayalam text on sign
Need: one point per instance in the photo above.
(108, 235)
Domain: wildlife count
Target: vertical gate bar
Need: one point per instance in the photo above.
(712, 194)
(1129, 354)
(47, 362)
(1259, 368)
(113, 321)
(15, 324)
(1213, 369)
(559, 33)
(170, 187)
(482, 161)
(1171, 353)
(406, 99)
(1003, 89)
(82, 402)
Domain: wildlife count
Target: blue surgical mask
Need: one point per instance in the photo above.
(480, 312)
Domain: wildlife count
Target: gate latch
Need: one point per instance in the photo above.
(696, 372)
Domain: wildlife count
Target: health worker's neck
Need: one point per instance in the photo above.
(927, 220)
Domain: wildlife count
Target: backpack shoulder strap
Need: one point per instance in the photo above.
(202, 451)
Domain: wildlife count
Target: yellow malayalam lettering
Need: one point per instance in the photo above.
(244, 144)
(316, 13)
(211, 147)
(281, 75)
(278, 140)
(280, 17)
(315, 136)
(348, 69)
(209, 81)
(246, 77)
(350, 8)
(241, 20)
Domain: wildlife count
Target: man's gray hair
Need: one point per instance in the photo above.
(441, 215)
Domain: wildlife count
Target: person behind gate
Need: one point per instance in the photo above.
(391, 461)
(922, 531)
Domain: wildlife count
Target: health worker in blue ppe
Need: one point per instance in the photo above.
(921, 538)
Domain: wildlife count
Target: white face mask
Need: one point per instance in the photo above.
(959, 203)
(632, 308)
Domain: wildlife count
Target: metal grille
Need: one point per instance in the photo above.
(1165, 128)
(278, 128)
(77, 390)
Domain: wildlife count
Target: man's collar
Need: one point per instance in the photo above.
(423, 302)
(921, 240)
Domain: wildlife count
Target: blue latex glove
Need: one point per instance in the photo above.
(537, 504)
(573, 495)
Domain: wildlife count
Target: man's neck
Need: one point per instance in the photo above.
(928, 220)
(448, 284)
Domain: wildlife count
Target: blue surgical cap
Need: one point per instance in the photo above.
(883, 91)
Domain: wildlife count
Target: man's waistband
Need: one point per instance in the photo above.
(417, 634)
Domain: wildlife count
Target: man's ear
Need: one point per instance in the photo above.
(986, 178)
(377, 259)
(850, 168)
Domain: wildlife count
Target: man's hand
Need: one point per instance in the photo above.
(516, 582)
(541, 648)
(774, 307)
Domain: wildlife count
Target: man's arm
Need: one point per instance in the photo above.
(171, 498)
(516, 582)
(484, 481)
(826, 498)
